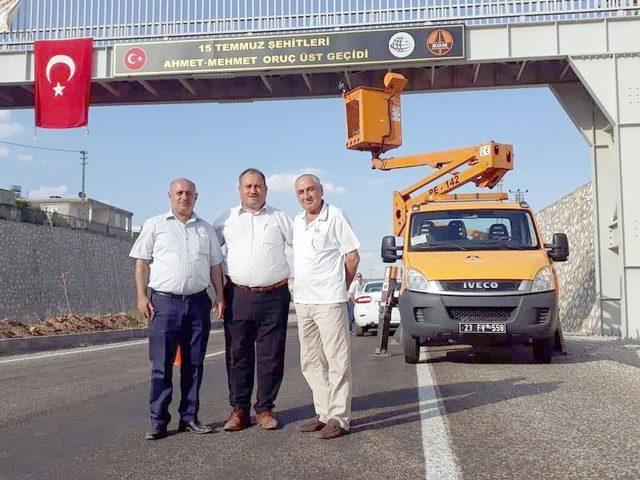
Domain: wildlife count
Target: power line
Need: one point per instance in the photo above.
(40, 148)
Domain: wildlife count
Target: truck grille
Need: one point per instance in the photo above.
(479, 285)
(480, 314)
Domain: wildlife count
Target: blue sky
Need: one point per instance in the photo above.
(134, 151)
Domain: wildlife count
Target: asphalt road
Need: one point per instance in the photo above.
(83, 414)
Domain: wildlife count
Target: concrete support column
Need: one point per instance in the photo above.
(613, 82)
(596, 130)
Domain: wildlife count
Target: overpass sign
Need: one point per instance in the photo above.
(290, 52)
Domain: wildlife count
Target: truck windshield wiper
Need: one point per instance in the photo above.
(439, 245)
(498, 243)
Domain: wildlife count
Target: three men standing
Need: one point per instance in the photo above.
(325, 262)
(257, 295)
(177, 257)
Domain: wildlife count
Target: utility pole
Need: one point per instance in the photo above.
(518, 195)
(83, 195)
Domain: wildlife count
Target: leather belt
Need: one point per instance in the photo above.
(268, 288)
(181, 297)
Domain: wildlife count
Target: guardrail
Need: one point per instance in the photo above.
(40, 217)
(109, 21)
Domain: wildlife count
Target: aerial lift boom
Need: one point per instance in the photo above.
(374, 125)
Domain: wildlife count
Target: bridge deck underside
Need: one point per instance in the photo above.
(298, 85)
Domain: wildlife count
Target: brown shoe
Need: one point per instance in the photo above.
(267, 420)
(238, 420)
(331, 430)
(312, 425)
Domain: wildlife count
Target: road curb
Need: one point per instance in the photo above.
(15, 346)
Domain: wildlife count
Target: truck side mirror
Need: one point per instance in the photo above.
(389, 249)
(559, 249)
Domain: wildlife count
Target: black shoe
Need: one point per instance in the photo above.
(195, 427)
(156, 433)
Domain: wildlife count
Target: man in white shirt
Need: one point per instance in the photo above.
(177, 257)
(354, 290)
(258, 298)
(325, 253)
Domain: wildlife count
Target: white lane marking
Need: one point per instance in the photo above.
(214, 354)
(439, 460)
(84, 350)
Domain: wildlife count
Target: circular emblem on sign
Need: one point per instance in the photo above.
(401, 44)
(135, 58)
(440, 42)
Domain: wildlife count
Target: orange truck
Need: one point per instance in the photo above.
(475, 268)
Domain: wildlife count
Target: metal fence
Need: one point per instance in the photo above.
(40, 217)
(108, 21)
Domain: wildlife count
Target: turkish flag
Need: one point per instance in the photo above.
(63, 82)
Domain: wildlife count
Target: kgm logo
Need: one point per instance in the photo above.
(440, 42)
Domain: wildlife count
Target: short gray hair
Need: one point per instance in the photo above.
(312, 177)
(182, 180)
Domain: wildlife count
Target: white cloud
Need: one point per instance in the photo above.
(45, 192)
(7, 127)
(4, 151)
(330, 187)
(24, 158)
(284, 182)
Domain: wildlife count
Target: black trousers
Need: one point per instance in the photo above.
(255, 328)
(185, 323)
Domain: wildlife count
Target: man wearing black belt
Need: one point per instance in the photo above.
(177, 257)
(257, 295)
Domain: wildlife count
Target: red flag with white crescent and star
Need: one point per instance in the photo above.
(63, 82)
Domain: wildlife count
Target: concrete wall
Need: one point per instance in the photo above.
(573, 215)
(39, 264)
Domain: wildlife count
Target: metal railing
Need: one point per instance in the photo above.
(109, 21)
(40, 217)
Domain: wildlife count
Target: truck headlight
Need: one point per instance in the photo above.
(544, 281)
(416, 281)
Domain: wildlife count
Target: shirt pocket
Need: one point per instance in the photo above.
(321, 241)
(272, 235)
(204, 245)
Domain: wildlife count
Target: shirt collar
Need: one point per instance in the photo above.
(322, 216)
(170, 214)
(241, 209)
(324, 213)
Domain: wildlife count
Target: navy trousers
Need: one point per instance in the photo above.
(185, 323)
(255, 328)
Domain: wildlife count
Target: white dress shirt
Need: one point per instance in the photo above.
(319, 248)
(181, 254)
(255, 245)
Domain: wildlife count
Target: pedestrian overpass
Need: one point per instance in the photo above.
(169, 51)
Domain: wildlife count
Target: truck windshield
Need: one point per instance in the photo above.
(472, 230)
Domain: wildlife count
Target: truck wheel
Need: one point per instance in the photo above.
(411, 347)
(543, 350)
(359, 331)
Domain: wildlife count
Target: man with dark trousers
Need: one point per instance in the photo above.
(257, 298)
(177, 257)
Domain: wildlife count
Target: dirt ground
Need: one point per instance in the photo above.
(71, 324)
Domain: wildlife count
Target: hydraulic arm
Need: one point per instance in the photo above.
(374, 125)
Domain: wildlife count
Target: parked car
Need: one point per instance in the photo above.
(367, 308)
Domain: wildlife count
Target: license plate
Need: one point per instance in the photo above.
(468, 327)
